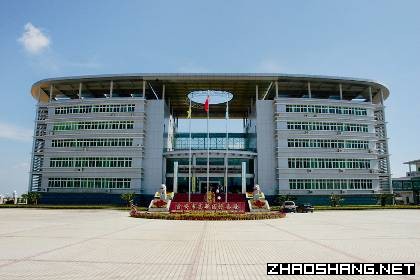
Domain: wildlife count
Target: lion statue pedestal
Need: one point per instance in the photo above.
(161, 201)
(258, 203)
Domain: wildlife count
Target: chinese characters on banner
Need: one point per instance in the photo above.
(233, 207)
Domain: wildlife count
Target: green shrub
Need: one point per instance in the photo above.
(336, 200)
(128, 197)
(385, 198)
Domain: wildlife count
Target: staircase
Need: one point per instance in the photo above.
(200, 197)
(232, 197)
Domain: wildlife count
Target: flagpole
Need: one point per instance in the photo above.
(227, 150)
(189, 158)
(208, 145)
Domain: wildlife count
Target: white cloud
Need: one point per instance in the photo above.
(24, 166)
(33, 40)
(13, 132)
(192, 68)
(269, 66)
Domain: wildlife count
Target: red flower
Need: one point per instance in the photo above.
(159, 203)
(258, 203)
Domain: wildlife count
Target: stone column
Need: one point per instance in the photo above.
(243, 177)
(175, 186)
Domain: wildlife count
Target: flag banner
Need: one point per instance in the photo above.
(207, 104)
(231, 207)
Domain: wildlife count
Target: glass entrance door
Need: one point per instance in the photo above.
(212, 185)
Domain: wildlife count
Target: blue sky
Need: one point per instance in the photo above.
(369, 39)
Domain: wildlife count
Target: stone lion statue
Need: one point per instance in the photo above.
(162, 192)
(257, 192)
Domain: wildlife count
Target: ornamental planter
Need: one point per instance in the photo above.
(159, 205)
(260, 205)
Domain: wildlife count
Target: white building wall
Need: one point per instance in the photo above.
(266, 146)
(154, 144)
(284, 152)
(135, 173)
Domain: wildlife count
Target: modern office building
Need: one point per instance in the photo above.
(310, 136)
(408, 188)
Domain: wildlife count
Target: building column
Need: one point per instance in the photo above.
(340, 86)
(163, 91)
(256, 93)
(80, 90)
(309, 90)
(255, 170)
(243, 177)
(144, 89)
(111, 88)
(277, 89)
(39, 95)
(164, 171)
(175, 181)
(370, 95)
(51, 92)
(381, 95)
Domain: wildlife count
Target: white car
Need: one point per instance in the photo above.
(289, 206)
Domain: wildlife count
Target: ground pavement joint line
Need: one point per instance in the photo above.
(71, 244)
(331, 248)
(9, 234)
(191, 272)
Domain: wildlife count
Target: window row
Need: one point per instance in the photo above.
(328, 144)
(98, 162)
(113, 142)
(325, 109)
(216, 143)
(327, 126)
(83, 109)
(329, 184)
(96, 183)
(93, 125)
(332, 163)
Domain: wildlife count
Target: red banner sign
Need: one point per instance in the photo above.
(232, 207)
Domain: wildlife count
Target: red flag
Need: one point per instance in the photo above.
(206, 104)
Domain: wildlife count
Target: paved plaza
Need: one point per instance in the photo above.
(106, 244)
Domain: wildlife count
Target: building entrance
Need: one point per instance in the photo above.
(212, 185)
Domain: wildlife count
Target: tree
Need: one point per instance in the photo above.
(385, 198)
(128, 197)
(335, 200)
(33, 197)
(24, 196)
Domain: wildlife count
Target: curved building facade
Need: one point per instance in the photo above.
(309, 136)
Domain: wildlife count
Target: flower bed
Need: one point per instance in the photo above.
(259, 205)
(159, 203)
(206, 216)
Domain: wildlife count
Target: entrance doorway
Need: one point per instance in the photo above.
(203, 185)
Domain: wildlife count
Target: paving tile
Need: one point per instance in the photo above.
(105, 244)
